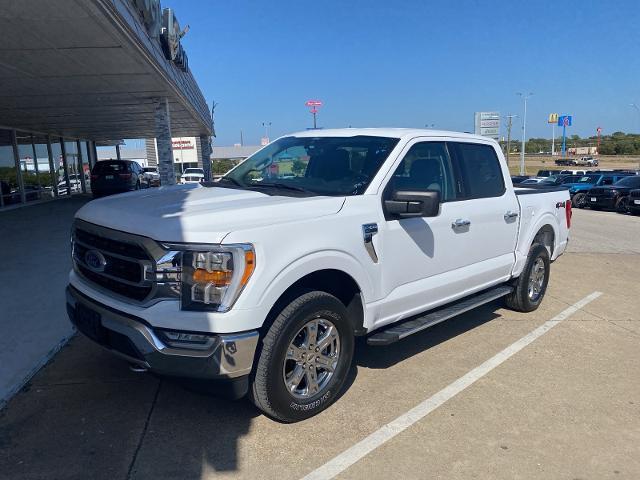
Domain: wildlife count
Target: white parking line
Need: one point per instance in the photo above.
(385, 433)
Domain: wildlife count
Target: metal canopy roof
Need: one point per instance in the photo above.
(89, 69)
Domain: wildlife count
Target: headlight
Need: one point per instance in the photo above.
(213, 277)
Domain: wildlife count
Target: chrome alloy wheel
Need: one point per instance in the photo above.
(311, 358)
(536, 280)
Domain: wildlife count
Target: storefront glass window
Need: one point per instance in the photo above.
(28, 167)
(75, 170)
(58, 166)
(45, 174)
(10, 192)
(86, 168)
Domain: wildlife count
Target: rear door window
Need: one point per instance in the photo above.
(479, 170)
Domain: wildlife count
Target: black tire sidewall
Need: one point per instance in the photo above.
(579, 200)
(622, 205)
(537, 251)
(289, 407)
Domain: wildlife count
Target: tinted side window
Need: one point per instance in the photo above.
(426, 166)
(607, 181)
(479, 169)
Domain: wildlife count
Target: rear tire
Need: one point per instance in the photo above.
(531, 286)
(622, 205)
(282, 384)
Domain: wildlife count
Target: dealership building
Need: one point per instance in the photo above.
(79, 74)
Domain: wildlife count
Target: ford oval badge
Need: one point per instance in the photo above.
(95, 260)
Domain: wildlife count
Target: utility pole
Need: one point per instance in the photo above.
(509, 124)
(638, 109)
(525, 97)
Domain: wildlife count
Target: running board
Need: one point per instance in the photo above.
(398, 331)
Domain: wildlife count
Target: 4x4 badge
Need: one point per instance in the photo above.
(368, 231)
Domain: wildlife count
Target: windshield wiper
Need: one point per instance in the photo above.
(282, 186)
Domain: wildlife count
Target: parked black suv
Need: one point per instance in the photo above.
(117, 176)
(634, 202)
(614, 196)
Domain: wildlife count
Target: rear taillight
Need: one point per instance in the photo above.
(126, 176)
(568, 213)
(94, 177)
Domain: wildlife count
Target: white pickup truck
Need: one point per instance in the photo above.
(262, 280)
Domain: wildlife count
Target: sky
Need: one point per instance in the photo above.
(402, 63)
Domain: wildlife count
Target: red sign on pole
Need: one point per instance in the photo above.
(313, 103)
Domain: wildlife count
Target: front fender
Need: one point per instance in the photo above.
(313, 262)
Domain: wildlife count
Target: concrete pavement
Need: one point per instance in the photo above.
(566, 406)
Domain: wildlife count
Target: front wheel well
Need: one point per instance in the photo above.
(335, 282)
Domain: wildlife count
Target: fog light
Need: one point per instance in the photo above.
(195, 341)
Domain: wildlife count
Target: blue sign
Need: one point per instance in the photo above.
(564, 121)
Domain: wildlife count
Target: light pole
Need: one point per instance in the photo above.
(525, 97)
(638, 110)
(266, 126)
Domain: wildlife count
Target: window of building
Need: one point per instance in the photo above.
(8, 174)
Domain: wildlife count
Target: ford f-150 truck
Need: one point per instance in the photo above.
(262, 280)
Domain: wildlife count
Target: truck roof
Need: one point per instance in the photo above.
(386, 132)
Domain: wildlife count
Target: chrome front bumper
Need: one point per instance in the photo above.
(228, 356)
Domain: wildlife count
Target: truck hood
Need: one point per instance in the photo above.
(193, 213)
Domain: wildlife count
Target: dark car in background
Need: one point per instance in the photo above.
(614, 196)
(547, 173)
(634, 202)
(579, 189)
(557, 180)
(117, 176)
(518, 179)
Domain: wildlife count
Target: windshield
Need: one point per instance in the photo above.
(631, 182)
(552, 179)
(193, 171)
(589, 179)
(315, 165)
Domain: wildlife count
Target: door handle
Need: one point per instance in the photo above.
(510, 215)
(460, 223)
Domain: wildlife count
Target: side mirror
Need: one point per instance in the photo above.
(406, 204)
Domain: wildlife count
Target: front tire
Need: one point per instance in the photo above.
(579, 200)
(305, 358)
(531, 285)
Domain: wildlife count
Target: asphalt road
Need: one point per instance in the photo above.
(566, 405)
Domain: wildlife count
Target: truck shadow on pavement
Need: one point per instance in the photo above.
(387, 356)
(85, 415)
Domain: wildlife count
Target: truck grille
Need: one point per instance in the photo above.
(635, 194)
(121, 266)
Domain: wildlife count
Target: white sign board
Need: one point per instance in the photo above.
(487, 124)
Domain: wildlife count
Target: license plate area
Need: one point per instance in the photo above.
(637, 202)
(88, 322)
(109, 177)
